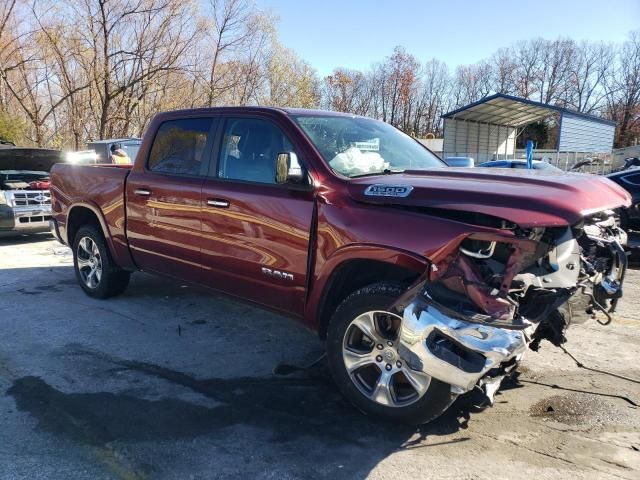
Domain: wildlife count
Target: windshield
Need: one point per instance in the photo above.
(355, 146)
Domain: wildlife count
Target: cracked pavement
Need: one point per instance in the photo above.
(172, 381)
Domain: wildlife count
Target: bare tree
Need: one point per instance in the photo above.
(34, 83)
(471, 83)
(433, 97)
(9, 44)
(504, 68)
(348, 91)
(529, 56)
(555, 69)
(396, 87)
(71, 70)
(230, 27)
(131, 43)
(623, 92)
(587, 76)
(69, 77)
(290, 81)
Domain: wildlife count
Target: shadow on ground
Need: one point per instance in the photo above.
(296, 425)
(289, 409)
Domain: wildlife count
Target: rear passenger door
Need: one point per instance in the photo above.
(255, 231)
(164, 199)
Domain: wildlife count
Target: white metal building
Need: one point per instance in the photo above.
(433, 144)
(487, 129)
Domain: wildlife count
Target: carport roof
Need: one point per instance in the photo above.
(501, 109)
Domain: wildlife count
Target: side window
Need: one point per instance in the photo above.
(249, 150)
(180, 146)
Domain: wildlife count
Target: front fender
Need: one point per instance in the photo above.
(324, 273)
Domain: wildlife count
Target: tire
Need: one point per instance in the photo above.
(345, 325)
(95, 270)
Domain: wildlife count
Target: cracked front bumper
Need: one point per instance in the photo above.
(452, 350)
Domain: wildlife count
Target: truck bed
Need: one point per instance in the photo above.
(99, 188)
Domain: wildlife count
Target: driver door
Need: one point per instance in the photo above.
(255, 232)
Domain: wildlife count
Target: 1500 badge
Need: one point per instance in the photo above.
(380, 190)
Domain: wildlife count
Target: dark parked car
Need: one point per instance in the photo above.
(537, 164)
(630, 181)
(425, 281)
(25, 203)
(466, 162)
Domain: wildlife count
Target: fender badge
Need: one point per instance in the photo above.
(380, 190)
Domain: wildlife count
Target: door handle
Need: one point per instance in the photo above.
(144, 192)
(216, 202)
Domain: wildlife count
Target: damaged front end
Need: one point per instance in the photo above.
(489, 296)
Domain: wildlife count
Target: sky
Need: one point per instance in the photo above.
(357, 33)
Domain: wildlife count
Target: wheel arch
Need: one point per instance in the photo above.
(355, 267)
(87, 214)
(83, 214)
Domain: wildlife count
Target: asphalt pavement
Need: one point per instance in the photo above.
(169, 381)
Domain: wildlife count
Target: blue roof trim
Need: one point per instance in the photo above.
(547, 106)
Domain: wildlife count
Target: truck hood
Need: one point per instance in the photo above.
(29, 159)
(528, 198)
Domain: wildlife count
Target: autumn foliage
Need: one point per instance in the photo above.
(71, 71)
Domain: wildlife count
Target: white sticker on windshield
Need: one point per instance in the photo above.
(372, 145)
(380, 190)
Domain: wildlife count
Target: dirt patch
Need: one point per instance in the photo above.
(573, 409)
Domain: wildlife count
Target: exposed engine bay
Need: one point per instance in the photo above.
(25, 201)
(469, 320)
(23, 180)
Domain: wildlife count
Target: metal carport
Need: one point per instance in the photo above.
(487, 129)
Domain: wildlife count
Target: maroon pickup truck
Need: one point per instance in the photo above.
(426, 281)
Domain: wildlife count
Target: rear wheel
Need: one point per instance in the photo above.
(362, 348)
(95, 270)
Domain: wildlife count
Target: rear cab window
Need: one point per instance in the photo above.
(182, 147)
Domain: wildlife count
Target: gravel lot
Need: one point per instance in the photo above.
(169, 381)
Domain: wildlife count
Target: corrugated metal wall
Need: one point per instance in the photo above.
(579, 134)
(481, 141)
(433, 144)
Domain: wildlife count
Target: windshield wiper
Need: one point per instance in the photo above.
(386, 171)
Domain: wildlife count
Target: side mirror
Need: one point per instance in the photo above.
(288, 169)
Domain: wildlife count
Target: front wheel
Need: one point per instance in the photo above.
(95, 270)
(362, 349)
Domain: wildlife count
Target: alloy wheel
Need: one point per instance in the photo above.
(371, 358)
(89, 262)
